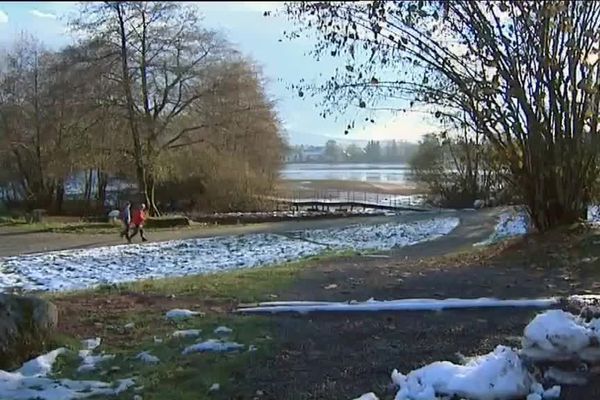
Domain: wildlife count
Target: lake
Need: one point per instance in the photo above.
(393, 173)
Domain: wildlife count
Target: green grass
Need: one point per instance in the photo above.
(179, 376)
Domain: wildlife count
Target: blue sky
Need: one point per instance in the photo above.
(256, 36)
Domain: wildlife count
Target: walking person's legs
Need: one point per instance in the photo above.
(134, 232)
(142, 234)
(125, 231)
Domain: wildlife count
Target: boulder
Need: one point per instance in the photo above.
(26, 325)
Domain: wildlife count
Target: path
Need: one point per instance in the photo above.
(15, 240)
(339, 356)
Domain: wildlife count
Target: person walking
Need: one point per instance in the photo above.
(138, 221)
(126, 219)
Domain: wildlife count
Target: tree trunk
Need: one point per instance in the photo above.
(131, 113)
(87, 195)
(101, 187)
(60, 196)
(150, 196)
(546, 209)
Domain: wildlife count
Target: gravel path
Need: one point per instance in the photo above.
(15, 240)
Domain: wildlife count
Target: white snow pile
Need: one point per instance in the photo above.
(31, 382)
(498, 375)
(367, 396)
(90, 362)
(186, 333)
(213, 346)
(85, 268)
(381, 236)
(223, 330)
(510, 224)
(178, 314)
(147, 358)
(593, 214)
(556, 335)
(552, 336)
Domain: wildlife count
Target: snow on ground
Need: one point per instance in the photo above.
(517, 223)
(497, 375)
(367, 396)
(90, 362)
(84, 268)
(213, 346)
(178, 314)
(223, 330)
(556, 335)
(31, 381)
(187, 333)
(382, 236)
(147, 358)
(510, 224)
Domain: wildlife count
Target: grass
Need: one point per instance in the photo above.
(177, 376)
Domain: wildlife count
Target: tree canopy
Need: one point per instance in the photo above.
(525, 75)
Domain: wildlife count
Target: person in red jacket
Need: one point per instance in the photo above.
(138, 220)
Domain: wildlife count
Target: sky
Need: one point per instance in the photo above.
(261, 38)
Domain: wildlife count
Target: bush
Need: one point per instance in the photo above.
(167, 222)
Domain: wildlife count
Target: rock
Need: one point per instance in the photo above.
(26, 324)
(477, 204)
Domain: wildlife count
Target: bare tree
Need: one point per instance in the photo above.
(163, 56)
(525, 74)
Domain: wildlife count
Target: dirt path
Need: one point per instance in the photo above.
(14, 240)
(340, 356)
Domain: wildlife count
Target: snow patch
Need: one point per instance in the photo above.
(497, 375)
(85, 268)
(31, 382)
(556, 335)
(181, 314)
(187, 333)
(91, 344)
(147, 358)
(367, 396)
(381, 236)
(90, 362)
(223, 330)
(42, 365)
(212, 345)
(510, 224)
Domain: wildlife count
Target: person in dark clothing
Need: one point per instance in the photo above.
(126, 219)
(138, 221)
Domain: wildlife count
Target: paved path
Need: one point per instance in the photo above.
(475, 226)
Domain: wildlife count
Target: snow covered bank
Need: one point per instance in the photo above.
(84, 268)
(383, 236)
(518, 223)
(31, 381)
(510, 224)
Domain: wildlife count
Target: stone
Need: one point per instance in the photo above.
(26, 325)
